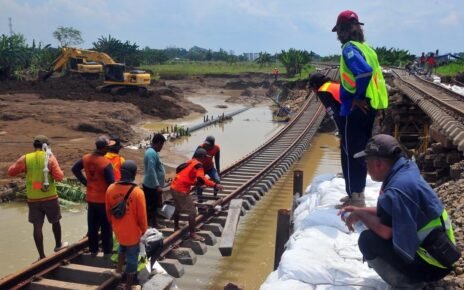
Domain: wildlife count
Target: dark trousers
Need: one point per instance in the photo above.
(373, 246)
(355, 129)
(96, 220)
(153, 200)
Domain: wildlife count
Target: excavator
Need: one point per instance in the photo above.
(92, 64)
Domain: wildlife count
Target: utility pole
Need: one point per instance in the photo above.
(10, 25)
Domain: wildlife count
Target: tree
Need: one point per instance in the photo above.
(263, 59)
(124, 52)
(67, 36)
(294, 60)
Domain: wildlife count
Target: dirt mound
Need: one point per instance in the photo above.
(242, 84)
(161, 101)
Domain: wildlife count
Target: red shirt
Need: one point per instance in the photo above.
(208, 162)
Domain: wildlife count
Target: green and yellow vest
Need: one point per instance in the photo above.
(35, 163)
(376, 90)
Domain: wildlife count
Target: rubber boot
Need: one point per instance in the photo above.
(392, 276)
(344, 199)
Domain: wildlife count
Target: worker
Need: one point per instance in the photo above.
(328, 92)
(42, 198)
(211, 168)
(275, 73)
(188, 175)
(130, 223)
(114, 157)
(153, 179)
(362, 93)
(409, 237)
(431, 64)
(98, 176)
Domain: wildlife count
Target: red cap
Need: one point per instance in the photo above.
(346, 17)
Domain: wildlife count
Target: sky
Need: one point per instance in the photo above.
(242, 25)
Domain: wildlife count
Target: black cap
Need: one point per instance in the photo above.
(117, 142)
(210, 140)
(381, 145)
(103, 141)
(128, 171)
(316, 80)
(200, 153)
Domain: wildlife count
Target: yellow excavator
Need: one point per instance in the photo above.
(92, 64)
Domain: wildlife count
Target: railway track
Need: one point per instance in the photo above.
(249, 179)
(444, 107)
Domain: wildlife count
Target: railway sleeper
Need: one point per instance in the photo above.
(246, 205)
(185, 256)
(159, 282)
(216, 229)
(48, 284)
(83, 274)
(250, 198)
(255, 194)
(197, 247)
(173, 267)
(209, 237)
(219, 220)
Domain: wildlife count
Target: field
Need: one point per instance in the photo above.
(451, 69)
(192, 68)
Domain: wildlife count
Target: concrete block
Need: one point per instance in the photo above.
(216, 229)
(209, 237)
(159, 282)
(185, 256)
(173, 267)
(198, 248)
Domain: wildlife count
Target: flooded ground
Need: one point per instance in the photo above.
(237, 138)
(253, 255)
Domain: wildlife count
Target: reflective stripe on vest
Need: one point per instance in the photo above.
(333, 89)
(376, 90)
(35, 163)
(427, 229)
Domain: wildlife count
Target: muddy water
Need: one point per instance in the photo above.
(253, 254)
(237, 138)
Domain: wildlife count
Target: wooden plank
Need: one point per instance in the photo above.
(62, 285)
(228, 234)
(282, 234)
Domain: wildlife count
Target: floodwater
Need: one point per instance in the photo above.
(253, 255)
(236, 138)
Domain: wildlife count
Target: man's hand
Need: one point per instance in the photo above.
(159, 190)
(350, 220)
(218, 187)
(361, 104)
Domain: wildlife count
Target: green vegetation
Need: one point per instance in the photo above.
(186, 68)
(70, 190)
(393, 56)
(451, 69)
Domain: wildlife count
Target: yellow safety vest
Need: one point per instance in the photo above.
(35, 163)
(425, 230)
(376, 90)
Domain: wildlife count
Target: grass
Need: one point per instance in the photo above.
(451, 69)
(217, 67)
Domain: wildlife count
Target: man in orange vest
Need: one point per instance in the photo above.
(188, 175)
(98, 176)
(328, 92)
(42, 198)
(276, 74)
(114, 157)
(212, 169)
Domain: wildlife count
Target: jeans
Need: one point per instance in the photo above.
(214, 176)
(132, 257)
(96, 220)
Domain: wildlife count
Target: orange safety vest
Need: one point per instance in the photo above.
(116, 161)
(208, 162)
(94, 166)
(188, 177)
(332, 88)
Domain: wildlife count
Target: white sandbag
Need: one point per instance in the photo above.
(273, 283)
(331, 192)
(322, 216)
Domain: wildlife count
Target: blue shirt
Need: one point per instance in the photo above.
(411, 203)
(362, 72)
(154, 173)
